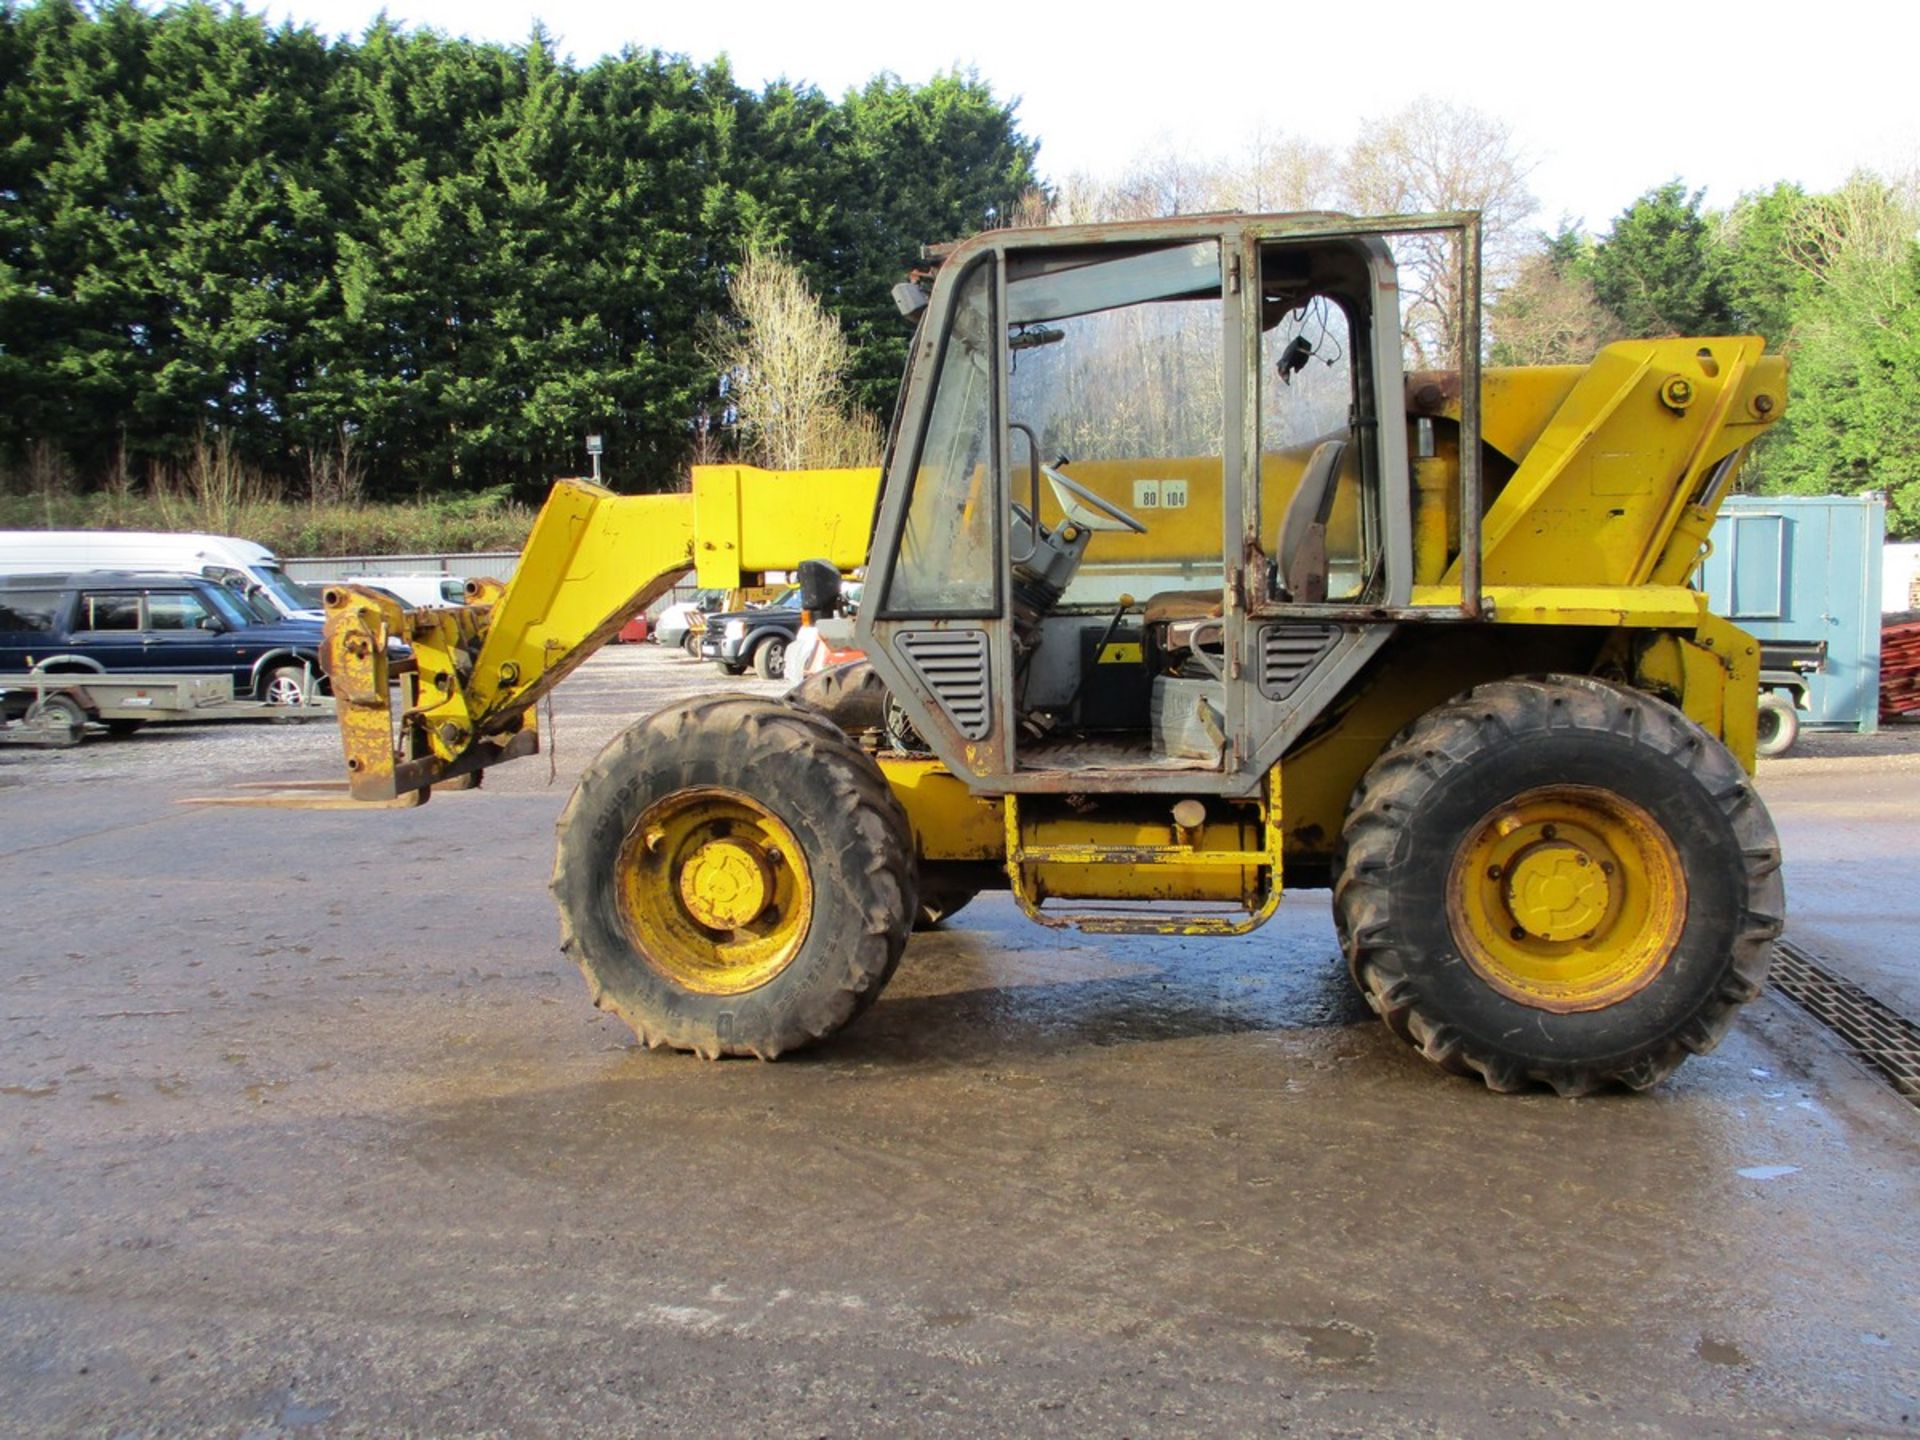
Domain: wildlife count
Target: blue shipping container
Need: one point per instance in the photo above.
(1801, 573)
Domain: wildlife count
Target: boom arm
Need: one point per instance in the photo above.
(593, 561)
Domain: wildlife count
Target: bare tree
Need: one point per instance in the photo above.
(1547, 314)
(1859, 241)
(1165, 181)
(1278, 173)
(1436, 156)
(1273, 172)
(784, 369)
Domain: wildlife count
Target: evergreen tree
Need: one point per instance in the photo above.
(462, 257)
(1658, 271)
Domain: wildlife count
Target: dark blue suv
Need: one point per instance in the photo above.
(107, 622)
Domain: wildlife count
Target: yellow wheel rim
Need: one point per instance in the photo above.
(714, 891)
(1567, 898)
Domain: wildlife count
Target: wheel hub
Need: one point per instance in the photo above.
(714, 889)
(726, 884)
(1567, 898)
(1555, 892)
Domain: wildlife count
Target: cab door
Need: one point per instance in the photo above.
(1069, 452)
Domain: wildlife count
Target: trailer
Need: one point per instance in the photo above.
(55, 709)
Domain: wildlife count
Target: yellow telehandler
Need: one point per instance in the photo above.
(1178, 584)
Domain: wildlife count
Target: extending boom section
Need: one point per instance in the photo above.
(593, 561)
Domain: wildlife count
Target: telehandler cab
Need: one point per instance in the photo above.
(1177, 586)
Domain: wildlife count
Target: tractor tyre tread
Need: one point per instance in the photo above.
(1378, 837)
(851, 695)
(863, 881)
(939, 905)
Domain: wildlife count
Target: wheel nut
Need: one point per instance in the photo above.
(1547, 832)
(1493, 872)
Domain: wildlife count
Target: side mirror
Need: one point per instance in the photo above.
(819, 587)
(213, 623)
(910, 299)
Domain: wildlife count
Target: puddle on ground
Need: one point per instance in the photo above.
(1720, 1352)
(1337, 1343)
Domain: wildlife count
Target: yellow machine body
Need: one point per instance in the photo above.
(1602, 484)
(1423, 637)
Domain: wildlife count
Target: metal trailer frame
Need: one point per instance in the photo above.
(158, 699)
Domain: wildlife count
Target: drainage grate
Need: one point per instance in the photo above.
(1883, 1039)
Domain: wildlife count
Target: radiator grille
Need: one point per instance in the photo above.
(1288, 652)
(953, 663)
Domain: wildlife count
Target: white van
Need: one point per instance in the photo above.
(424, 591)
(251, 568)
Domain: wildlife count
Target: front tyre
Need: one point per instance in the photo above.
(287, 684)
(1558, 881)
(770, 658)
(734, 877)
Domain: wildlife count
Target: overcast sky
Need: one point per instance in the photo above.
(1606, 100)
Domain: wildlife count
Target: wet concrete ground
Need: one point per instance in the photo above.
(308, 1129)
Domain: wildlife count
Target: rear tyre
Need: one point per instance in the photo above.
(734, 877)
(1777, 725)
(691, 644)
(1558, 881)
(770, 658)
(852, 695)
(939, 905)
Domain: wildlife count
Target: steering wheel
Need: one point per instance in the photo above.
(1094, 502)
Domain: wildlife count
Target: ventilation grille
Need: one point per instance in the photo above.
(1287, 653)
(953, 663)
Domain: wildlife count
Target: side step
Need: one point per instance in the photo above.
(1152, 918)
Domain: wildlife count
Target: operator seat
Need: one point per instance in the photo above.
(1183, 620)
(1300, 567)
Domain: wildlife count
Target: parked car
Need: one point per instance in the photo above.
(673, 625)
(252, 569)
(756, 636)
(759, 635)
(109, 621)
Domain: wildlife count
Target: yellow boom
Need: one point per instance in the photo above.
(594, 560)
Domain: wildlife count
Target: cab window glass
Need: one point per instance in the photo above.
(1117, 372)
(109, 612)
(945, 560)
(1318, 505)
(174, 610)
